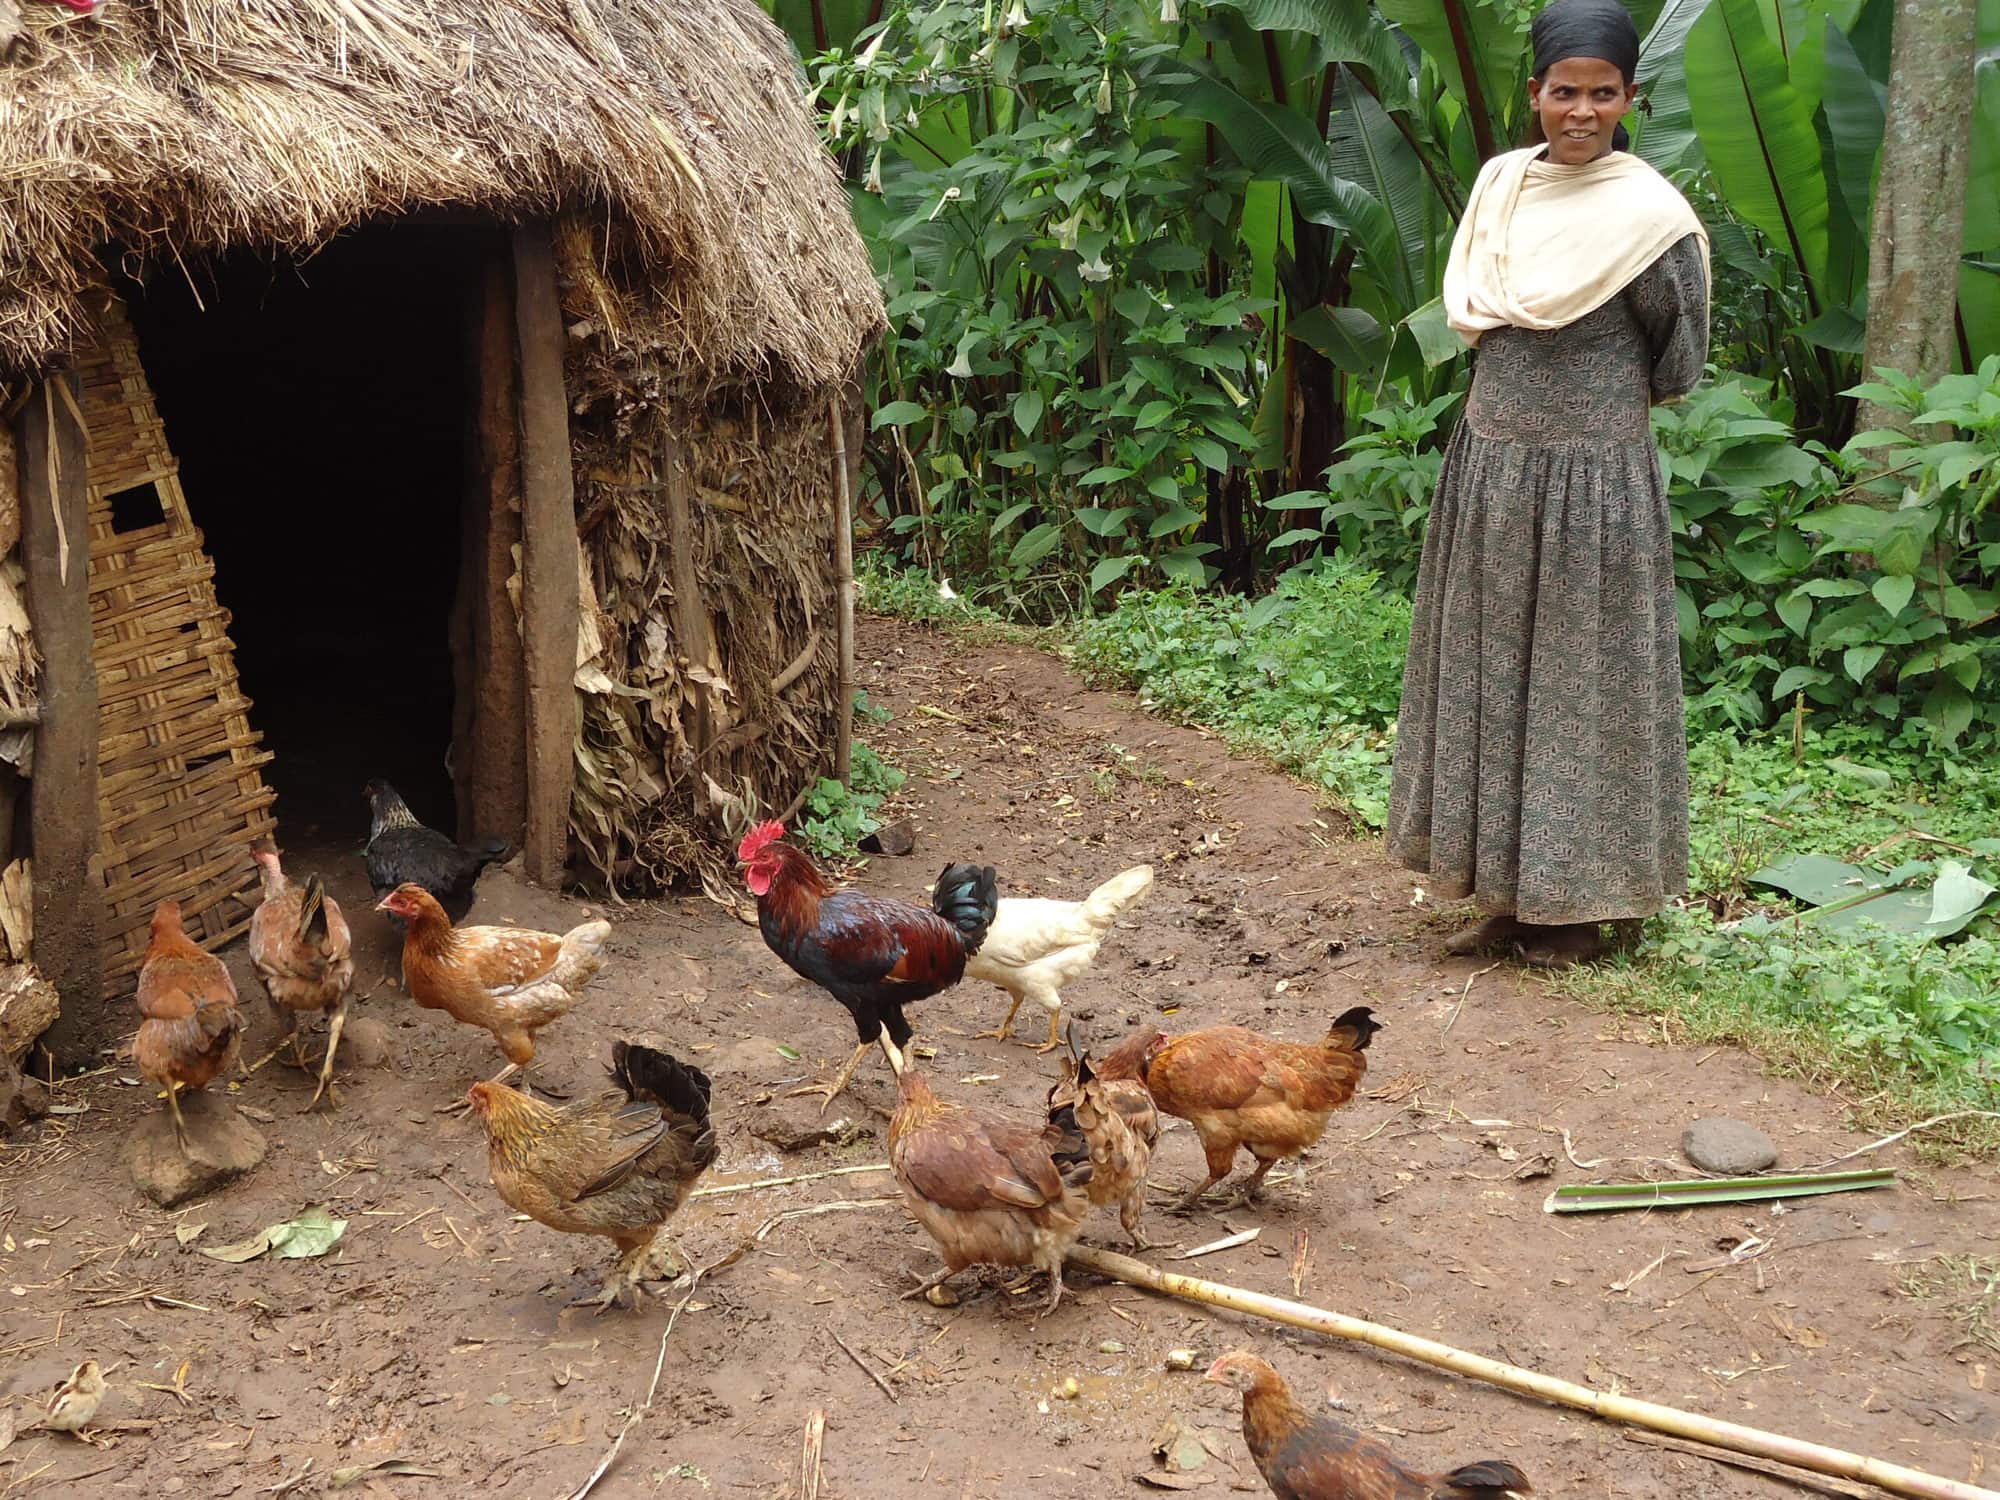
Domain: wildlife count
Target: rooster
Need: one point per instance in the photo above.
(620, 1164)
(1108, 1126)
(509, 980)
(985, 1186)
(873, 954)
(1305, 1457)
(1035, 946)
(300, 948)
(1240, 1089)
(192, 1030)
(401, 849)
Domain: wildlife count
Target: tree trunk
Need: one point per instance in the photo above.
(1920, 196)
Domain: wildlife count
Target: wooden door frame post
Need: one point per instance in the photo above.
(55, 551)
(550, 596)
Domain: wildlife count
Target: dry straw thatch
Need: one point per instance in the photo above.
(716, 291)
(178, 128)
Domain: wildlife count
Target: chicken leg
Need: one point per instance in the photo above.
(180, 1125)
(840, 1080)
(1005, 1029)
(1055, 1031)
(333, 1031)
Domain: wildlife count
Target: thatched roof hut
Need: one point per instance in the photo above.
(643, 265)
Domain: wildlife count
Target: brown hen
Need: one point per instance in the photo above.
(1239, 1089)
(192, 1029)
(509, 980)
(984, 1185)
(1305, 1457)
(1108, 1125)
(301, 949)
(620, 1164)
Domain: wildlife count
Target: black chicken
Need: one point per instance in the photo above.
(401, 849)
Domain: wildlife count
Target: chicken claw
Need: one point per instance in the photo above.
(1055, 1033)
(1005, 1029)
(925, 1283)
(831, 1091)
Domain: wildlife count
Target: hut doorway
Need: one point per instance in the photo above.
(321, 415)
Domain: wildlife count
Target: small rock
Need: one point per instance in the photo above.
(365, 1042)
(897, 838)
(21, 1098)
(222, 1146)
(796, 1125)
(28, 1007)
(1727, 1147)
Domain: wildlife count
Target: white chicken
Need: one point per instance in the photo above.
(1036, 946)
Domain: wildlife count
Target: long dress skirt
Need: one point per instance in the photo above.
(1541, 752)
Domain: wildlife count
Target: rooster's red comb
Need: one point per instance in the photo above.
(757, 838)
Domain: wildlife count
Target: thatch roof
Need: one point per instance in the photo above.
(177, 128)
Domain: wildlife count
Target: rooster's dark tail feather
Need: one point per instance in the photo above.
(1359, 1026)
(677, 1087)
(967, 896)
(1489, 1479)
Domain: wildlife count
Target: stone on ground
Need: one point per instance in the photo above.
(222, 1146)
(1727, 1147)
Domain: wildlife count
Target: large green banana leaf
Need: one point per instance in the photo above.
(1278, 146)
(1339, 31)
(1498, 47)
(1365, 147)
(1757, 133)
(1666, 137)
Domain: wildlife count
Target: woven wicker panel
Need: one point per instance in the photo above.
(180, 793)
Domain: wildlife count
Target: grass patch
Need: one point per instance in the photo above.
(1308, 676)
(1967, 1288)
(911, 594)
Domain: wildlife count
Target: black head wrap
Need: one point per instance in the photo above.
(1586, 28)
(1602, 29)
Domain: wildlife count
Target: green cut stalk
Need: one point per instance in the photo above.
(1589, 1198)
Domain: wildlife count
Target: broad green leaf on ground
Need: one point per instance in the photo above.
(312, 1233)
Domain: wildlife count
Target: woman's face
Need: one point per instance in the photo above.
(1580, 104)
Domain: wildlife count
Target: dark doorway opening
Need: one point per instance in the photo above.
(319, 411)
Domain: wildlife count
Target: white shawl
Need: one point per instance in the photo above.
(1542, 245)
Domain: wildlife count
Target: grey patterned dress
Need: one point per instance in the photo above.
(1541, 752)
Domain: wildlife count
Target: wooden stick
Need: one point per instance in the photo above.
(1794, 1451)
(843, 574)
(1818, 1484)
(761, 1183)
(864, 1367)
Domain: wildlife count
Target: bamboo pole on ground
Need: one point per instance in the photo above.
(1800, 1454)
(843, 573)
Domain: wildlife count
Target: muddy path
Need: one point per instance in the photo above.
(435, 1334)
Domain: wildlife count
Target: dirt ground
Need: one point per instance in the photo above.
(434, 1333)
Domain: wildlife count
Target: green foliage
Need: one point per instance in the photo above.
(1792, 589)
(836, 818)
(1377, 499)
(1309, 675)
(1916, 1022)
(1066, 365)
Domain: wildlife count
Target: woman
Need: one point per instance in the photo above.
(1541, 755)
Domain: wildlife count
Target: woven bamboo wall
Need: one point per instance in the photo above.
(180, 792)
